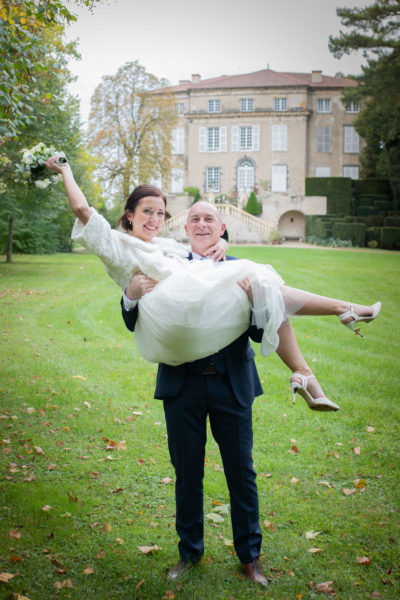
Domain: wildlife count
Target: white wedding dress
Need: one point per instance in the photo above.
(197, 308)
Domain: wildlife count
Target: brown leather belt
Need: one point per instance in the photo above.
(210, 370)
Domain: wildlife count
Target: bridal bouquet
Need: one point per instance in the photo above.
(32, 169)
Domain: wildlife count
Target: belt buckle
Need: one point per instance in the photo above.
(210, 370)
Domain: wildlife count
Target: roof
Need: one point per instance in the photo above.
(262, 79)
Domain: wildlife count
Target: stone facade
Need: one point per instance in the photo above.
(266, 131)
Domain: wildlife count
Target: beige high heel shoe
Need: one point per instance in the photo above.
(322, 403)
(355, 318)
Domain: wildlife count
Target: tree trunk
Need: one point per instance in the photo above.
(9, 240)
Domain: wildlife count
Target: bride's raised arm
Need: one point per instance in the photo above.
(77, 200)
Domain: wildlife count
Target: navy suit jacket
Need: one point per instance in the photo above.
(238, 360)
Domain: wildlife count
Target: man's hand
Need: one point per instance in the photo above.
(246, 287)
(139, 286)
(218, 251)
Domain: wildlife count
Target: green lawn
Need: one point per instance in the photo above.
(73, 513)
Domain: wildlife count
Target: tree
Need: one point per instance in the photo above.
(253, 206)
(130, 126)
(375, 30)
(22, 48)
(31, 220)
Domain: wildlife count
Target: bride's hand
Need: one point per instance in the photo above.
(246, 287)
(53, 165)
(218, 251)
(139, 286)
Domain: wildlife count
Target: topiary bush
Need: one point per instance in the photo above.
(253, 206)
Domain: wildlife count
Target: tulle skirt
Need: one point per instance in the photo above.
(200, 309)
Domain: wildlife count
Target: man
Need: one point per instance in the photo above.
(222, 387)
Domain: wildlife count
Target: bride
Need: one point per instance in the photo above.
(197, 308)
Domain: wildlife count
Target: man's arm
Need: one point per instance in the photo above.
(129, 316)
(139, 285)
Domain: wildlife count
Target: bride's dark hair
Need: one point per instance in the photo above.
(142, 191)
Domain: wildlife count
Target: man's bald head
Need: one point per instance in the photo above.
(204, 226)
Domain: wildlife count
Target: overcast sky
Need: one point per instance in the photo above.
(175, 38)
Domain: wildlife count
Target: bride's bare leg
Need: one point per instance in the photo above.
(299, 302)
(302, 380)
(290, 353)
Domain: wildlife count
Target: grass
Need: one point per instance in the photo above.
(71, 380)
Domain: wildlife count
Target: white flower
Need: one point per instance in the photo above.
(40, 183)
(27, 158)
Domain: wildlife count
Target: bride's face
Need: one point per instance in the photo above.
(148, 218)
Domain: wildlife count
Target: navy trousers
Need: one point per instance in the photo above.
(231, 426)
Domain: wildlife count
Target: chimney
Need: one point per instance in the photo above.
(196, 78)
(316, 76)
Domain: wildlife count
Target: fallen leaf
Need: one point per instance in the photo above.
(294, 450)
(269, 525)
(217, 467)
(357, 450)
(336, 455)
(166, 480)
(101, 554)
(120, 541)
(148, 549)
(228, 542)
(363, 560)
(348, 492)
(107, 528)
(46, 508)
(359, 483)
(137, 413)
(15, 534)
(214, 517)
(79, 377)
(370, 429)
(310, 535)
(30, 410)
(30, 477)
(95, 474)
(87, 404)
(325, 588)
(6, 577)
(51, 467)
(268, 475)
(88, 571)
(169, 595)
(39, 450)
(294, 480)
(141, 461)
(117, 490)
(315, 550)
(326, 483)
(62, 584)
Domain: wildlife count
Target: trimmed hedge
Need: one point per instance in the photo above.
(371, 186)
(391, 222)
(338, 191)
(350, 231)
(390, 238)
(373, 233)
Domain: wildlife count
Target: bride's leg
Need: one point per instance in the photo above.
(302, 379)
(299, 302)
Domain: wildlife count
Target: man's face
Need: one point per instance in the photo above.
(204, 227)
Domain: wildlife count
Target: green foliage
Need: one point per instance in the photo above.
(371, 187)
(44, 213)
(350, 231)
(390, 238)
(336, 189)
(194, 192)
(375, 29)
(253, 206)
(23, 48)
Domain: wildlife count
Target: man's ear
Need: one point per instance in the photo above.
(223, 228)
(185, 227)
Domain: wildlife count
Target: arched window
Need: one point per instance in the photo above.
(245, 175)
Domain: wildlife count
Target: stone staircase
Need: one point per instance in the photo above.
(228, 211)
